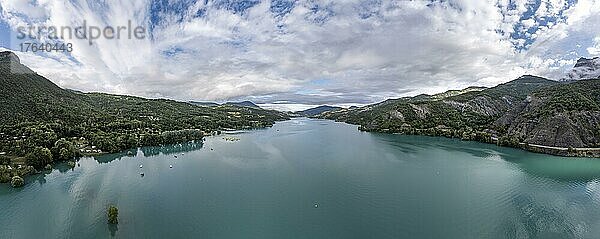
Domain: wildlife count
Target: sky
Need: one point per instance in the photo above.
(294, 54)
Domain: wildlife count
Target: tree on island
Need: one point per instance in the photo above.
(113, 214)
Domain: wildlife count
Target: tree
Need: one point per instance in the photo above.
(4, 160)
(105, 143)
(42, 136)
(509, 141)
(113, 214)
(39, 157)
(64, 150)
(17, 182)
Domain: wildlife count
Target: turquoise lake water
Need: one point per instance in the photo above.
(312, 179)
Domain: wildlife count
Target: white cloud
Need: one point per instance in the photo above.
(529, 23)
(367, 50)
(595, 49)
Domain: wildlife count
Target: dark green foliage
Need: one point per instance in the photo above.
(5, 176)
(7, 173)
(4, 160)
(113, 215)
(467, 114)
(515, 113)
(39, 157)
(484, 137)
(508, 141)
(17, 182)
(517, 89)
(172, 137)
(64, 150)
(574, 97)
(117, 123)
(37, 113)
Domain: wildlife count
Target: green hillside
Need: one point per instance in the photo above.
(472, 109)
(36, 114)
(530, 110)
(565, 115)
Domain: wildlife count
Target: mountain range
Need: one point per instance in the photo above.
(537, 114)
(534, 113)
(317, 110)
(36, 113)
(248, 104)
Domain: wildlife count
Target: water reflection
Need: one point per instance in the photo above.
(107, 158)
(557, 168)
(63, 167)
(565, 169)
(152, 151)
(113, 228)
(443, 188)
(543, 213)
(172, 149)
(40, 178)
(558, 197)
(539, 218)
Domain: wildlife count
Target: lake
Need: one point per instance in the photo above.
(313, 179)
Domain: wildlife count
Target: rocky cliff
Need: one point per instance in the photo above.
(530, 112)
(566, 115)
(584, 69)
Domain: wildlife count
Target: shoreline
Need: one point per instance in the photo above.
(565, 152)
(591, 153)
(23, 170)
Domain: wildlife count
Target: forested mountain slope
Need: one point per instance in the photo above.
(528, 110)
(37, 113)
(565, 115)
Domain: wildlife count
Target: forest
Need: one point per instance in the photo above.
(41, 123)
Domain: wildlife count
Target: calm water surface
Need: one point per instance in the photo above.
(266, 185)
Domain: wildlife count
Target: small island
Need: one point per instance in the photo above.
(113, 215)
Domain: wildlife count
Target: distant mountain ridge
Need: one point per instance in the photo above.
(244, 104)
(239, 104)
(206, 104)
(318, 110)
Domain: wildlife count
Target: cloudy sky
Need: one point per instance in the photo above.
(299, 53)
